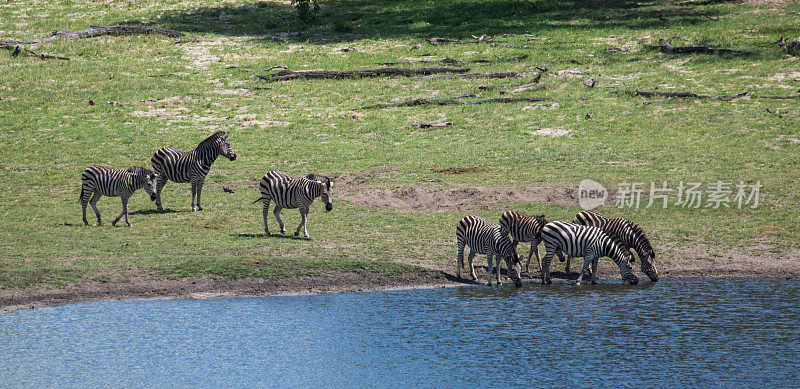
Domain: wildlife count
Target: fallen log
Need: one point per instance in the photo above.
(95, 31)
(291, 75)
(416, 102)
(666, 47)
(470, 75)
(16, 50)
(683, 95)
(452, 61)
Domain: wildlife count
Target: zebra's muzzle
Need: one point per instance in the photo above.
(232, 157)
(153, 197)
(328, 207)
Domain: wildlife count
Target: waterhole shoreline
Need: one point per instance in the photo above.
(150, 288)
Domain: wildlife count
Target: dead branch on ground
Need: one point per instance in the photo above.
(416, 102)
(316, 74)
(666, 47)
(95, 31)
(16, 50)
(470, 75)
(682, 95)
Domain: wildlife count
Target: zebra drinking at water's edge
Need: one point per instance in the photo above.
(630, 234)
(98, 181)
(190, 166)
(483, 237)
(293, 192)
(588, 242)
(524, 228)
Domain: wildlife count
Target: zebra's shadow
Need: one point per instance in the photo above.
(154, 211)
(279, 236)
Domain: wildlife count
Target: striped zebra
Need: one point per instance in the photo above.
(98, 181)
(483, 237)
(190, 166)
(588, 242)
(524, 228)
(630, 234)
(293, 192)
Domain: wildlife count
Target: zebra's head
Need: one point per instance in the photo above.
(621, 254)
(646, 253)
(513, 261)
(225, 148)
(327, 189)
(150, 184)
(144, 178)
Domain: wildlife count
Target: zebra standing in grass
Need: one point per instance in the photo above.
(483, 237)
(588, 242)
(524, 228)
(293, 192)
(190, 166)
(98, 181)
(630, 234)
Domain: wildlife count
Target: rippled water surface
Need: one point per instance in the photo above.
(671, 333)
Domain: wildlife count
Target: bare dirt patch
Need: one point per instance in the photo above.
(438, 198)
(458, 170)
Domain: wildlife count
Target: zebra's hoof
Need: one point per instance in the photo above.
(296, 233)
(199, 208)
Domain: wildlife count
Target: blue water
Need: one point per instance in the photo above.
(715, 333)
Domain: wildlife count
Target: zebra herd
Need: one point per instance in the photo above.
(590, 235)
(171, 164)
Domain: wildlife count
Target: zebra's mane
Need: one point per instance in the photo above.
(138, 170)
(211, 139)
(616, 240)
(317, 177)
(639, 235)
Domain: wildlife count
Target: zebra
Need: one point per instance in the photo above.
(190, 166)
(293, 192)
(630, 234)
(588, 242)
(524, 228)
(98, 181)
(483, 237)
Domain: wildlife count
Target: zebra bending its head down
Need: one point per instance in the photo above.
(630, 234)
(98, 181)
(524, 228)
(293, 192)
(588, 242)
(483, 237)
(190, 166)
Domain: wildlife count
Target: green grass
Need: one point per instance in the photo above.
(50, 132)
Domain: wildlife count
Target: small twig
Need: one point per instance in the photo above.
(15, 50)
(163, 75)
(255, 87)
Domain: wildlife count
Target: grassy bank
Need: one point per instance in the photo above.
(149, 91)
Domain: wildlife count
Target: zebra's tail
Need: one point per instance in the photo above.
(83, 190)
(258, 199)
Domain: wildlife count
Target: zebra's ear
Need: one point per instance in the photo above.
(225, 135)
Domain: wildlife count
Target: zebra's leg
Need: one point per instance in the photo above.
(93, 202)
(124, 212)
(277, 213)
(199, 191)
(162, 181)
(545, 267)
(194, 191)
(534, 251)
(566, 268)
(470, 257)
(303, 217)
(586, 261)
(489, 264)
(459, 260)
(84, 202)
(265, 213)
